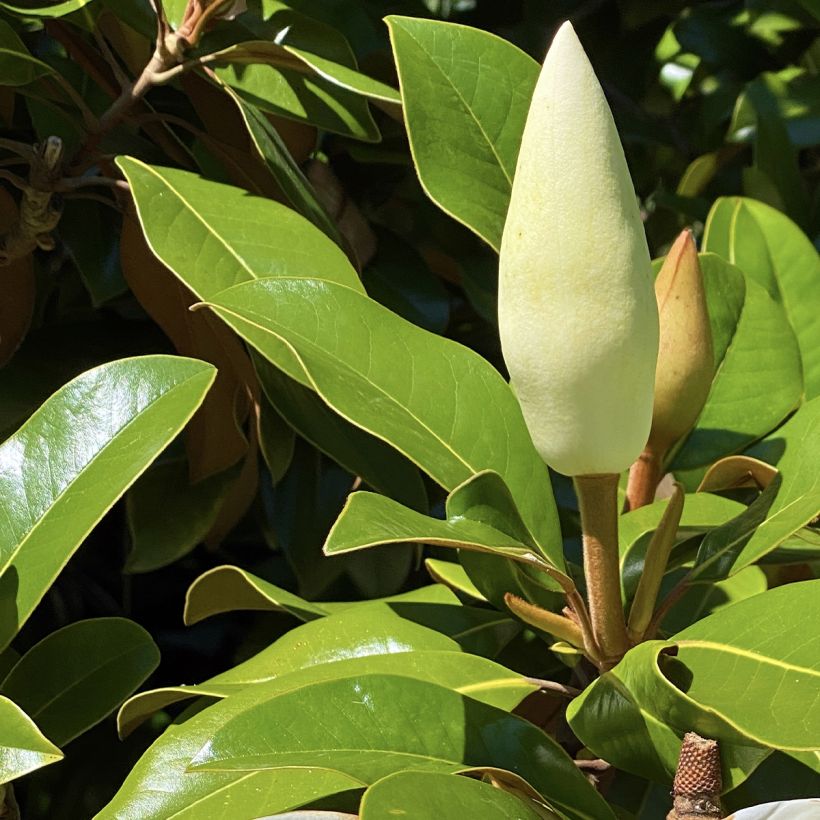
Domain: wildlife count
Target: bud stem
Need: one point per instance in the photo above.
(644, 477)
(598, 502)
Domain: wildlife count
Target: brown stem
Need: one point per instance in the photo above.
(644, 477)
(598, 502)
(555, 687)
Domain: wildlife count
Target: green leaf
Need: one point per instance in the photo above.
(103, 429)
(91, 232)
(758, 377)
(77, 675)
(272, 150)
(432, 796)
(769, 248)
(798, 105)
(17, 66)
(296, 84)
(168, 516)
(466, 94)
(187, 796)
(23, 748)
(369, 519)
(160, 784)
(753, 652)
(228, 588)
(45, 8)
(790, 502)
(377, 631)
(453, 575)
(399, 278)
(437, 402)
(213, 236)
(367, 726)
(360, 453)
(701, 512)
(711, 678)
(701, 600)
(475, 676)
(775, 176)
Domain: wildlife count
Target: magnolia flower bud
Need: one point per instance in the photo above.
(686, 364)
(577, 313)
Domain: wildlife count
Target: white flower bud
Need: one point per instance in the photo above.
(577, 310)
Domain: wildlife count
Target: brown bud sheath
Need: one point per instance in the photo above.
(686, 364)
(698, 782)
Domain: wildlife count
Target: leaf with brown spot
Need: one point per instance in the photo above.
(17, 288)
(214, 437)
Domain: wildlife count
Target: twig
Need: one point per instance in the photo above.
(597, 765)
(554, 686)
(16, 181)
(73, 183)
(119, 75)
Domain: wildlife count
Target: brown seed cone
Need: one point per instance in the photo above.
(698, 767)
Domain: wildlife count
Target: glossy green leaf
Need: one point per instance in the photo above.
(362, 454)
(248, 796)
(160, 784)
(432, 796)
(168, 516)
(701, 512)
(452, 575)
(23, 748)
(723, 667)
(367, 726)
(77, 675)
(702, 600)
(437, 402)
(385, 629)
(228, 588)
(104, 428)
(272, 150)
(369, 519)
(466, 94)
(298, 83)
(213, 236)
(298, 67)
(769, 248)
(17, 65)
(296, 49)
(472, 675)
(45, 8)
(758, 378)
(790, 502)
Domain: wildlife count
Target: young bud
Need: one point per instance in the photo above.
(685, 357)
(577, 315)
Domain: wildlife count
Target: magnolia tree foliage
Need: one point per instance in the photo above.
(337, 337)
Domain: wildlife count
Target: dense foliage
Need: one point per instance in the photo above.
(259, 456)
